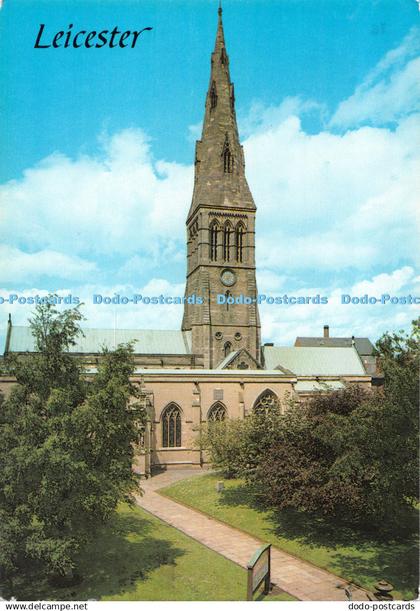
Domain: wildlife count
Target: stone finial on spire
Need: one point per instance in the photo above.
(219, 156)
(220, 38)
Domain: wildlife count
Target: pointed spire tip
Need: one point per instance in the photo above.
(220, 11)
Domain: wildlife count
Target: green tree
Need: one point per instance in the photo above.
(66, 449)
(314, 463)
(352, 453)
(235, 446)
(223, 443)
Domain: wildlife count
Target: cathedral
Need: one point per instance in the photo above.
(215, 367)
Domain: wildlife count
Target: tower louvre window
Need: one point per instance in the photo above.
(227, 157)
(214, 235)
(227, 162)
(227, 348)
(223, 56)
(239, 242)
(213, 96)
(226, 241)
(194, 229)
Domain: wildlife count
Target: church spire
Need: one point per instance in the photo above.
(220, 116)
(219, 160)
(221, 228)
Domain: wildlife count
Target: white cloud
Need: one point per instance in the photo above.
(385, 283)
(389, 91)
(282, 323)
(340, 200)
(269, 281)
(120, 201)
(395, 58)
(261, 118)
(18, 266)
(194, 131)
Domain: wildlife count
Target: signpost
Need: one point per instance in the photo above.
(259, 570)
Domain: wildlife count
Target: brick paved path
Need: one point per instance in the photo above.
(297, 577)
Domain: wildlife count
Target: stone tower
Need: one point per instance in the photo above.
(221, 228)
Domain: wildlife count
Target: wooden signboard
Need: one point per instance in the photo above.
(259, 569)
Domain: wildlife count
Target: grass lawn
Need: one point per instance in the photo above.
(341, 550)
(138, 557)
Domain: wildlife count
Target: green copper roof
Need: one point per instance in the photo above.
(304, 361)
(146, 341)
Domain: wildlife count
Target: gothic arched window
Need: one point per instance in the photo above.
(171, 426)
(214, 231)
(227, 348)
(226, 241)
(213, 96)
(227, 157)
(227, 162)
(217, 413)
(266, 402)
(239, 242)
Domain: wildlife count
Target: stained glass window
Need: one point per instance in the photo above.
(171, 427)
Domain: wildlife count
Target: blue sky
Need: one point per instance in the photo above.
(95, 175)
(61, 99)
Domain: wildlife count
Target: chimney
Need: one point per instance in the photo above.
(326, 331)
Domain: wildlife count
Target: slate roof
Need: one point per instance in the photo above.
(147, 341)
(303, 361)
(363, 345)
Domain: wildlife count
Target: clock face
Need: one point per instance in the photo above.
(228, 277)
